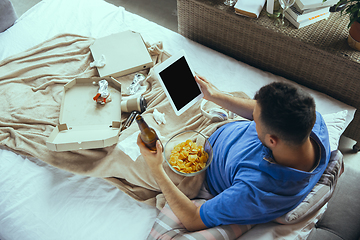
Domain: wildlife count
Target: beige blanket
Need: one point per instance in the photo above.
(31, 85)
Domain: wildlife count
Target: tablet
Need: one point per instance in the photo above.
(178, 81)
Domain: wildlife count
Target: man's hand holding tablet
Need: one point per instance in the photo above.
(178, 81)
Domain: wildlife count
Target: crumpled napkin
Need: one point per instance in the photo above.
(99, 63)
(159, 117)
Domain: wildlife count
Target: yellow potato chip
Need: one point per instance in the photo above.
(187, 157)
(192, 158)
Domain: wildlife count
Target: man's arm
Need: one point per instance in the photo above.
(180, 204)
(241, 106)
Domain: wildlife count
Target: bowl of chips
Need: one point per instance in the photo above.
(188, 153)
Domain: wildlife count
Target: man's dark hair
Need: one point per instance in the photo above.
(287, 111)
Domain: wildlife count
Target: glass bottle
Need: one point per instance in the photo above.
(147, 134)
(273, 8)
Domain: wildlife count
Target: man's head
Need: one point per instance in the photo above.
(285, 112)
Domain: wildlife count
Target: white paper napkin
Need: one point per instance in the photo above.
(129, 145)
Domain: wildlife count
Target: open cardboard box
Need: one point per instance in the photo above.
(85, 124)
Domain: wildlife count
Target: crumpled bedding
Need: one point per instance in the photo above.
(31, 89)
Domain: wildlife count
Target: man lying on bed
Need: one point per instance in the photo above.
(261, 169)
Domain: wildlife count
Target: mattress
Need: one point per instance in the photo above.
(39, 201)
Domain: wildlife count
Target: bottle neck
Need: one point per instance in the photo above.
(142, 124)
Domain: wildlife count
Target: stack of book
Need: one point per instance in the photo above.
(306, 12)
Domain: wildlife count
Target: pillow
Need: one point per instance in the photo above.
(320, 194)
(7, 15)
(168, 226)
(335, 123)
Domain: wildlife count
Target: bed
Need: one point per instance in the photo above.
(42, 201)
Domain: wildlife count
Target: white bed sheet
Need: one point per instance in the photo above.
(39, 201)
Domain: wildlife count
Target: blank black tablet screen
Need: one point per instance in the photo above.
(180, 83)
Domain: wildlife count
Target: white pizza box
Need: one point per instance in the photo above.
(124, 53)
(84, 123)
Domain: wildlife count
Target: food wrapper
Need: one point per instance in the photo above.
(103, 94)
(135, 85)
